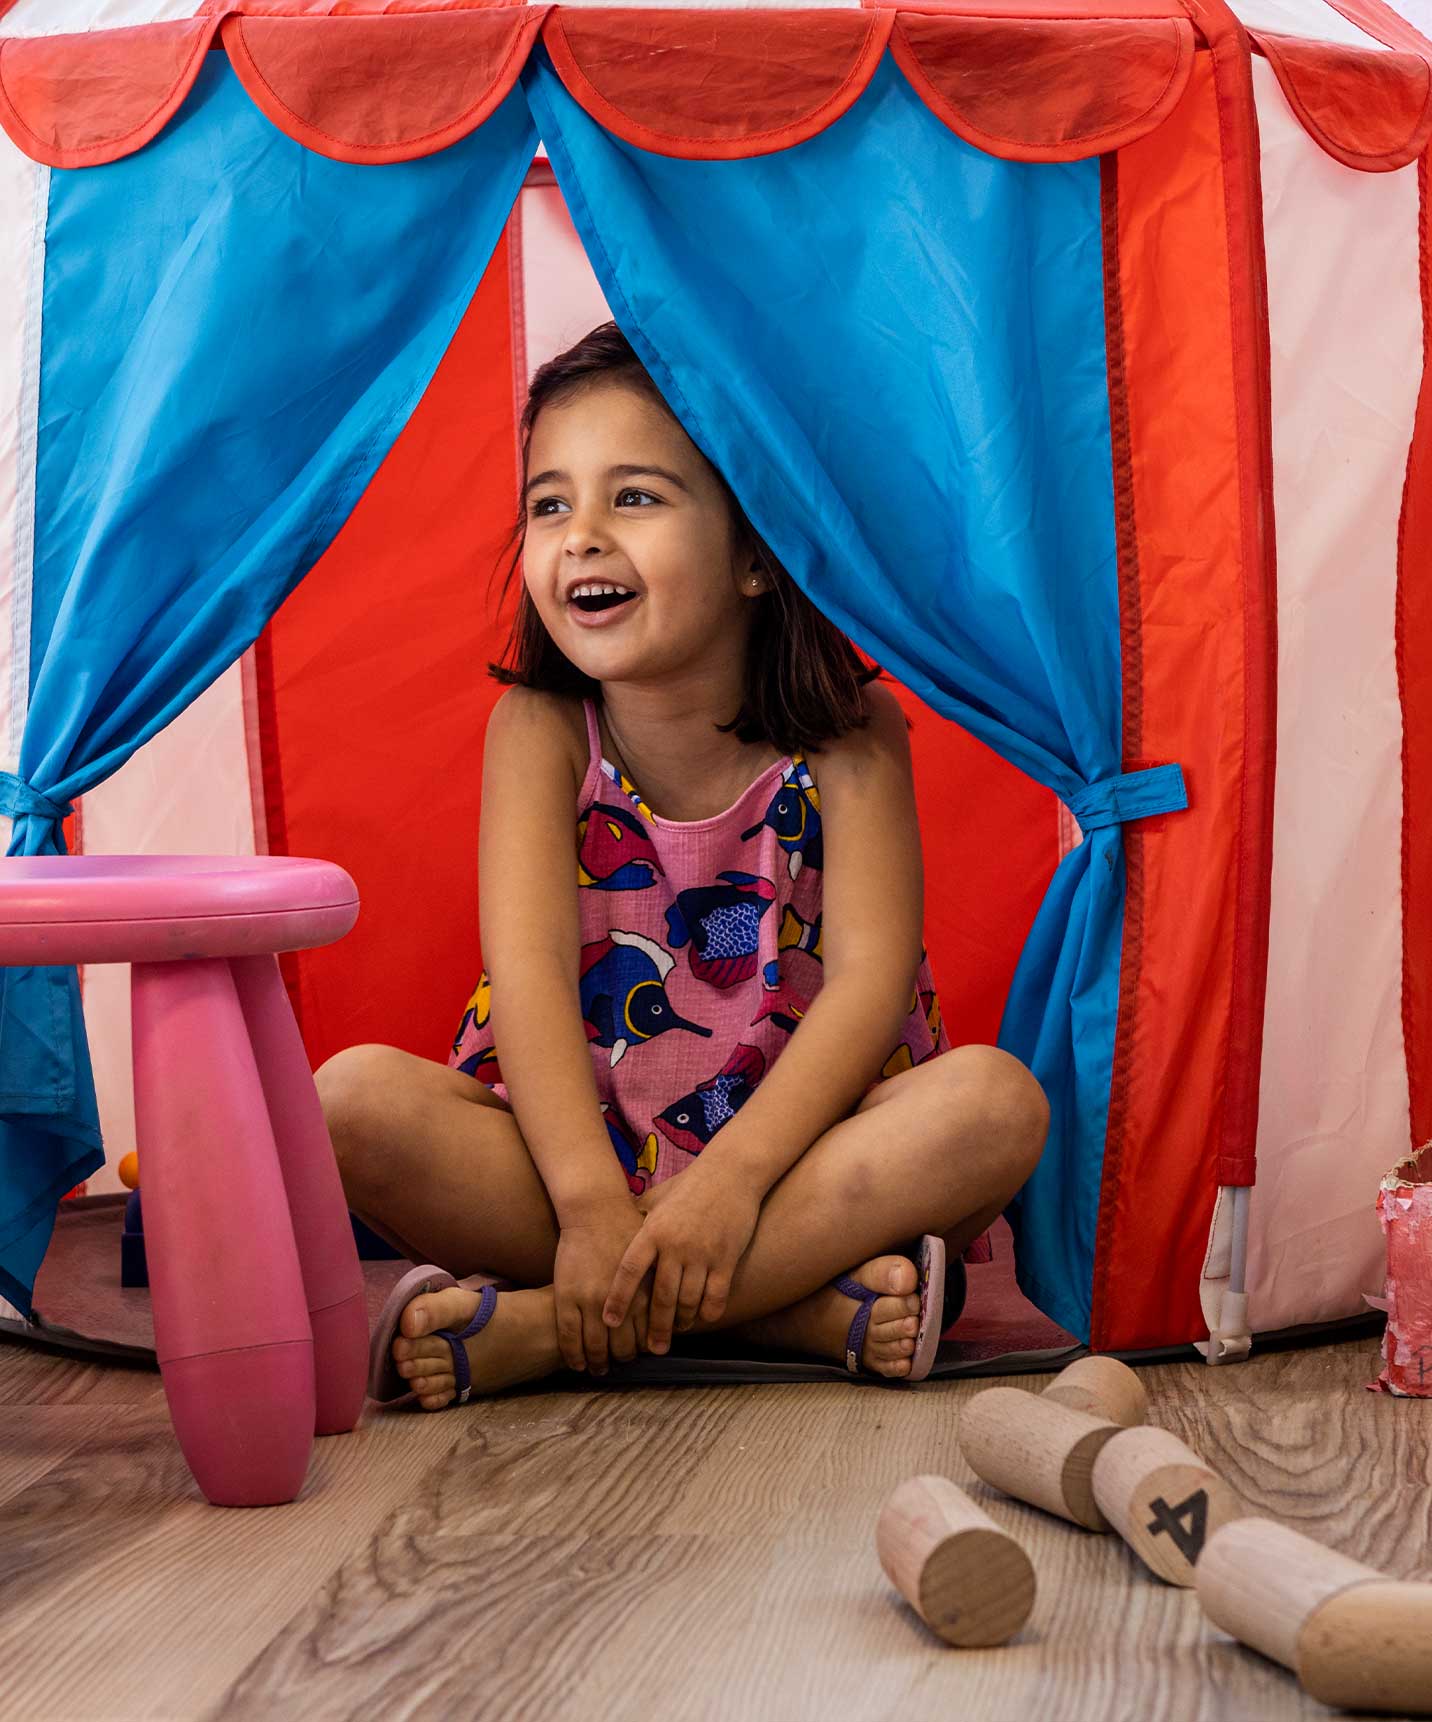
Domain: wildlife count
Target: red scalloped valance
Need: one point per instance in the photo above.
(1047, 89)
(381, 87)
(1369, 109)
(386, 80)
(78, 101)
(697, 84)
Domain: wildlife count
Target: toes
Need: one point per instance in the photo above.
(429, 1384)
(410, 1355)
(893, 1273)
(452, 1307)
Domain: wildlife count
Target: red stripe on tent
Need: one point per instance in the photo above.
(1367, 108)
(1414, 654)
(377, 671)
(77, 101)
(1186, 692)
(1253, 406)
(1131, 650)
(1048, 89)
(381, 89)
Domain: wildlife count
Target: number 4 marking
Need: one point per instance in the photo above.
(1187, 1523)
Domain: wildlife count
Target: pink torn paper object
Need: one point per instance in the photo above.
(1404, 1205)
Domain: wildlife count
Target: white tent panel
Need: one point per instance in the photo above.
(1311, 18)
(72, 17)
(1334, 1095)
(559, 295)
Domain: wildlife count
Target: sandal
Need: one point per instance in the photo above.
(930, 1283)
(384, 1382)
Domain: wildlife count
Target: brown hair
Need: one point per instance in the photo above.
(804, 680)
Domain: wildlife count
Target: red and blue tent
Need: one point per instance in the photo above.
(1070, 354)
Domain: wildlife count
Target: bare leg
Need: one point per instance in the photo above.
(434, 1163)
(940, 1148)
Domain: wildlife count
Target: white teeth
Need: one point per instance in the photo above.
(596, 589)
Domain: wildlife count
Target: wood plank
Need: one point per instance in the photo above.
(685, 1553)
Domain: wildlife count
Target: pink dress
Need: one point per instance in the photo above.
(701, 952)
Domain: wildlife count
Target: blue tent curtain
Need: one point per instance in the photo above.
(238, 330)
(893, 347)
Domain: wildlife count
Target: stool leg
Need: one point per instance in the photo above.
(332, 1278)
(230, 1321)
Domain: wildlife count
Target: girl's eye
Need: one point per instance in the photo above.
(539, 507)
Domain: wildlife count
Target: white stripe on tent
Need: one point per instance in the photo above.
(1311, 18)
(561, 300)
(1418, 14)
(70, 17)
(24, 200)
(1345, 320)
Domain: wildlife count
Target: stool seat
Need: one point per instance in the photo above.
(168, 908)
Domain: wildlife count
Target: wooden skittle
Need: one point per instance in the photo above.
(1162, 1499)
(969, 1581)
(1037, 1450)
(1101, 1387)
(1353, 1637)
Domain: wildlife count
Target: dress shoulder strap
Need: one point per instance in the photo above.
(594, 734)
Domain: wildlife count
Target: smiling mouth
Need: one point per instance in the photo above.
(596, 601)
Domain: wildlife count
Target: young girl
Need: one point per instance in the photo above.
(723, 1079)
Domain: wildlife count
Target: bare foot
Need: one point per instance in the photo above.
(820, 1322)
(519, 1342)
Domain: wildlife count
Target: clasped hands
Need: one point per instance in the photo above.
(629, 1270)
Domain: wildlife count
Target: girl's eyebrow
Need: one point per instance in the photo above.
(554, 473)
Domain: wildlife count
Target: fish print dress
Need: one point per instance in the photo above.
(700, 954)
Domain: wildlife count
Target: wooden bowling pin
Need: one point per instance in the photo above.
(1036, 1449)
(1353, 1637)
(1101, 1387)
(1162, 1499)
(969, 1581)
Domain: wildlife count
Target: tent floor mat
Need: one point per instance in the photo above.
(81, 1311)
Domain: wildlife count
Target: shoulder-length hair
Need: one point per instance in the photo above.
(804, 680)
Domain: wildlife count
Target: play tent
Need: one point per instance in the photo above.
(1069, 354)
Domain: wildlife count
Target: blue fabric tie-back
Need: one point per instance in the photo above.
(1134, 795)
(892, 346)
(235, 332)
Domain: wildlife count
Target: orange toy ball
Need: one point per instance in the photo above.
(129, 1171)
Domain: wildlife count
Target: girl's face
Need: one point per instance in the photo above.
(620, 497)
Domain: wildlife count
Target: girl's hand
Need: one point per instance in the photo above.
(695, 1237)
(589, 1248)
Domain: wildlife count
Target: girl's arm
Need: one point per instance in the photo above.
(872, 933)
(527, 906)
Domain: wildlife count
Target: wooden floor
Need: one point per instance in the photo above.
(689, 1553)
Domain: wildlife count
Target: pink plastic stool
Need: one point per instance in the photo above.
(260, 1321)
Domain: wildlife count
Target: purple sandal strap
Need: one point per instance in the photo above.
(855, 1337)
(486, 1304)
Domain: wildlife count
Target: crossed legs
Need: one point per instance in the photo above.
(435, 1163)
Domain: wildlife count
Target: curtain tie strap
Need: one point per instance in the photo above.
(1135, 795)
(18, 797)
